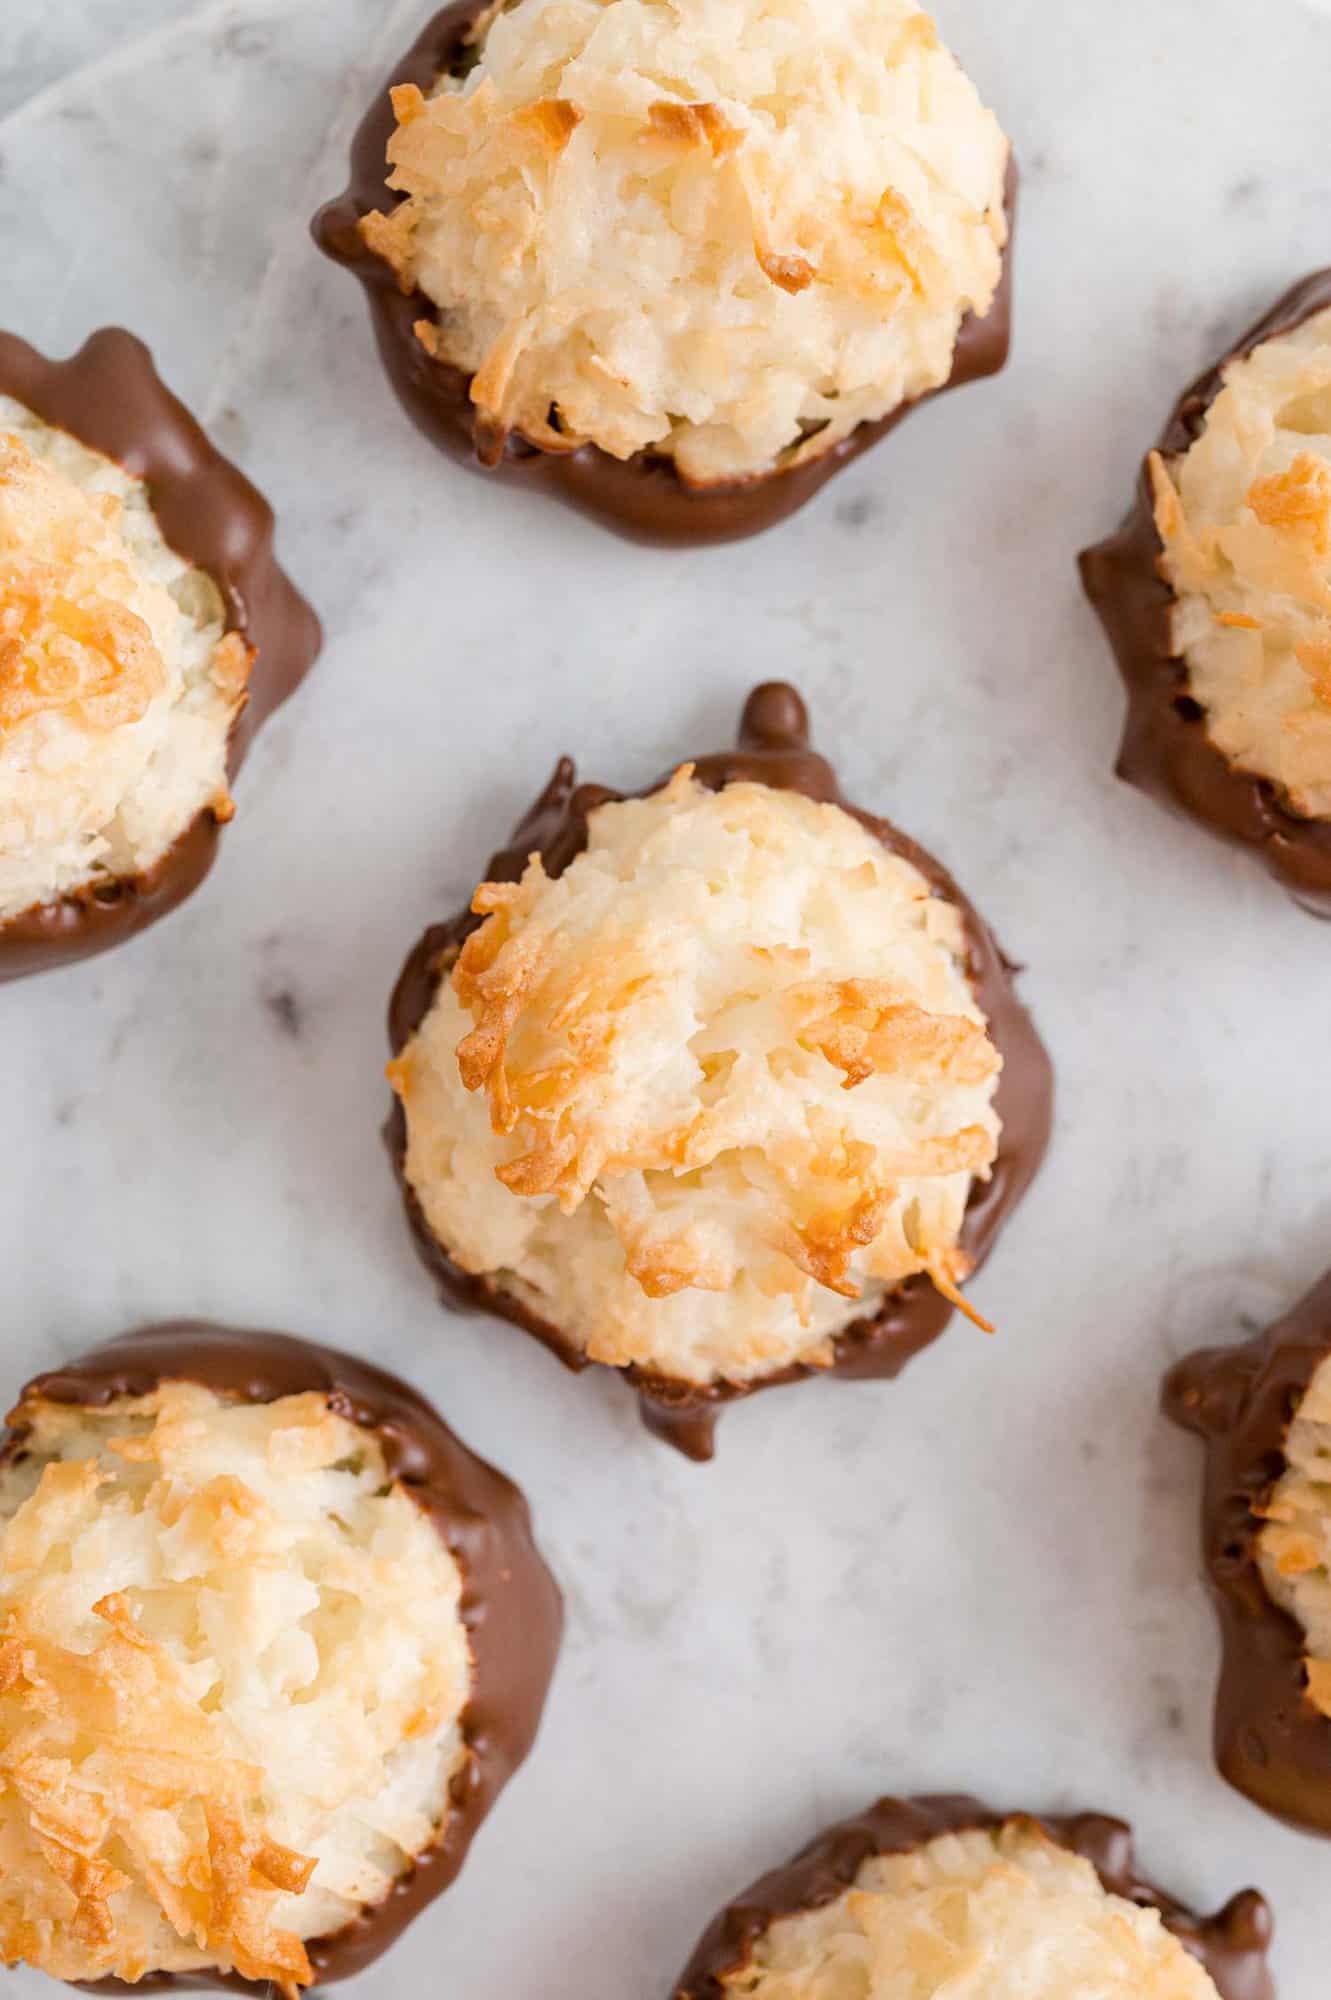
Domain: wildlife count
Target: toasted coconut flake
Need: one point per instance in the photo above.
(712, 1089)
(118, 687)
(909, 241)
(1293, 1552)
(408, 102)
(1245, 519)
(94, 661)
(686, 124)
(231, 666)
(1297, 502)
(866, 1028)
(780, 252)
(392, 238)
(214, 1760)
(1314, 656)
(790, 272)
(946, 1271)
(1004, 1914)
(552, 120)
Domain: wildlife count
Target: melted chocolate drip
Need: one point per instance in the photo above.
(643, 497)
(773, 750)
(1231, 1945)
(1167, 751)
(1270, 1741)
(510, 1604)
(111, 398)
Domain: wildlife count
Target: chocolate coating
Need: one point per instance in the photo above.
(1231, 1945)
(642, 498)
(1270, 1741)
(111, 398)
(1167, 751)
(773, 749)
(510, 1604)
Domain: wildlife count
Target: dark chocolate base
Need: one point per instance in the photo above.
(510, 1604)
(111, 398)
(1270, 1741)
(1231, 1945)
(1166, 750)
(774, 750)
(642, 498)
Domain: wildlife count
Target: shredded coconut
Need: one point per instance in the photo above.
(729, 231)
(701, 1100)
(118, 686)
(1294, 1548)
(1001, 1915)
(232, 1664)
(1245, 518)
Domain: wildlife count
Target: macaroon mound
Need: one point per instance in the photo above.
(720, 1085)
(237, 1671)
(923, 1899)
(1244, 516)
(119, 685)
(699, 1094)
(725, 235)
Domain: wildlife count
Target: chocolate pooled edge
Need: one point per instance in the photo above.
(1271, 1743)
(642, 498)
(110, 397)
(1232, 1945)
(1167, 751)
(773, 749)
(511, 1606)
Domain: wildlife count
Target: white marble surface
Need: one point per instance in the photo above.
(984, 1575)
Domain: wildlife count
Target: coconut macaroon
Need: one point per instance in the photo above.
(118, 683)
(713, 1092)
(932, 1897)
(145, 633)
(1216, 597)
(1244, 516)
(722, 236)
(237, 1668)
(1263, 1410)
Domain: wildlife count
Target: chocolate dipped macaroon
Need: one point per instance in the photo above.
(1263, 1410)
(932, 1896)
(722, 1085)
(1216, 596)
(146, 631)
(677, 265)
(271, 1642)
